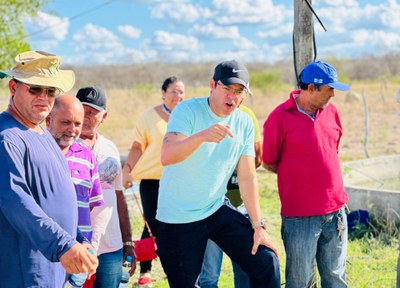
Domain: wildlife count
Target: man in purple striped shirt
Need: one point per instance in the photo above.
(65, 124)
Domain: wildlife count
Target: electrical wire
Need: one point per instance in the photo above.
(59, 23)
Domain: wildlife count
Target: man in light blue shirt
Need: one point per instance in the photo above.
(206, 138)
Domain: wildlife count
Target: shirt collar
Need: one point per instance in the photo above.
(75, 147)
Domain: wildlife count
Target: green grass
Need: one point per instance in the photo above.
(371, 260)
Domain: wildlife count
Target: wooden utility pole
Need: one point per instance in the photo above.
(302, 34)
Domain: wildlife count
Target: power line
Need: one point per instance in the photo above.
(60, 22)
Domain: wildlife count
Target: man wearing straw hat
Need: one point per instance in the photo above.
(38, 206)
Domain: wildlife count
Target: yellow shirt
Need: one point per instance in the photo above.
(257, 133)
(149, 132)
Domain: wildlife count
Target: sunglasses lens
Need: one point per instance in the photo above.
(35, 90)
(53, 92)
(38, 90)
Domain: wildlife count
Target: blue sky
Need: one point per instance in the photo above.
(127, 31)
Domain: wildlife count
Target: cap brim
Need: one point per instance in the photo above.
(64, 80)
(234, 80)
(339, 86)
(98, 108)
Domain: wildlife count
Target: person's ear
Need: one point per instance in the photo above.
(12, 86)
(48, 118)
(104, 116)
(213, 84)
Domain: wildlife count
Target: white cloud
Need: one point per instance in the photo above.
(129, 31)
(46, 30)
(243, 43)
(95, 44)
(212, 31)
(346, 18)
(250, 12)
(249, 30)
(92, 37)
(264, 53)
(179, 12)
(355, 29)
(277, 32)
(272, 53)
(341, 3)
(390, 15)
(377, 40)
(50, 27)
(165, 41)
(139, 56)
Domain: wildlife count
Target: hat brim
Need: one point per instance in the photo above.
(339, 86)
(98, 108)
(3, 75)
(234, 80)
(63, 80)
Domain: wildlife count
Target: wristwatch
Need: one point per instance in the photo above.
(260, 223)
(129, 243)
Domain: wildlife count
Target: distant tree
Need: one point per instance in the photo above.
(12, 32)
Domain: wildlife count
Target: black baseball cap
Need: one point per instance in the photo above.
(232, 72)
(92, 96)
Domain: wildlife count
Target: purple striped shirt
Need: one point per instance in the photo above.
(83, 167)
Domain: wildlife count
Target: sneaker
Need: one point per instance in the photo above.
(145, 280)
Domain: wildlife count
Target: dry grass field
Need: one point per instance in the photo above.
(125, 105)
(383, 115)
(383, 139)
(127, 102)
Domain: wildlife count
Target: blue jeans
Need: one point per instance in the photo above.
(211, 269)
(181, 249)
(307, 239)
(108, 273)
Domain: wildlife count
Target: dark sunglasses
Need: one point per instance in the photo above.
(38, 90)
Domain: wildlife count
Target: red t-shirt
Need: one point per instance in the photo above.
(306, 154)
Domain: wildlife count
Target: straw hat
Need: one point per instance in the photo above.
(41, 68)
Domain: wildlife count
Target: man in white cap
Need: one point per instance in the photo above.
(206, 139)
(112, 237)
(38, 207)
(301, 145)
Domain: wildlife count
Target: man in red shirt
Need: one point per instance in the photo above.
(300, 144)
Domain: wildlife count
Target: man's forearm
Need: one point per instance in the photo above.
(177, 147)
(249, 193)
(123, 216)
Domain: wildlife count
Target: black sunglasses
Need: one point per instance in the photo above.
(38, 90)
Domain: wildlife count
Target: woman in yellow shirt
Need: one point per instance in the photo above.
(143, 164)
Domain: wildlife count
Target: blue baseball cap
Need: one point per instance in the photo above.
(320, 73)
